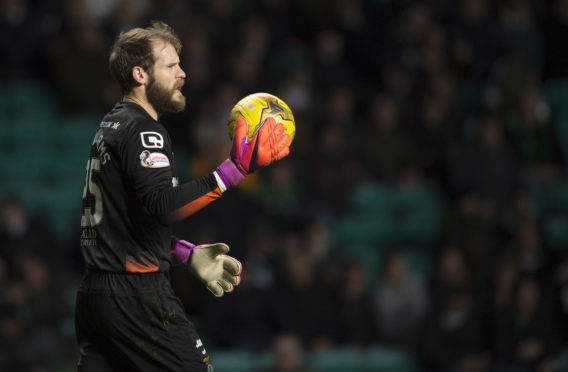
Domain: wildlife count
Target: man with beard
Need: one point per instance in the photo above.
(127, 316)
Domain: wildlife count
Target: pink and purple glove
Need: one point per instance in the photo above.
(268, 145)
(210, 264)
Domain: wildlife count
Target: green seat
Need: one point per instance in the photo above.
(18, 169)
(555, 92)
(556, 231)
(338, 360)
(360, 230)
(371, 200)
(28, 99)
(392, 215)
(419, 261)
(24, 136)
(378, 358)
(562, 360)
(417, 214)
(561, 130)
(74, 135)
(182, 161)
(387, 359)
(240, 361)
(384, 359)
(553, 199)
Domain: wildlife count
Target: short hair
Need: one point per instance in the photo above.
(134, 48)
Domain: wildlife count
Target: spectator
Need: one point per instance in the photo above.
(519, 34)
(299, 305)
(472, 43)
(82, 48)
(400, 301)
(328, 171)
(525, 334)
(451, 273)
(453, 337)
(560, 295)
(384, 146)
(529, 250)
(355, 323)
(487, 165)
(433, 137)
(288, 354)
(470, 226)
(555, 30)
(22, 41)
(240, 321)
(534, 139)
(279, 193)
(21, 232)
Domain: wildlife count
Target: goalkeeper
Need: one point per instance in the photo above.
(127, 317)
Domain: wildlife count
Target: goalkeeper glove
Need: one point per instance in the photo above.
(210, 264)
(269, 144)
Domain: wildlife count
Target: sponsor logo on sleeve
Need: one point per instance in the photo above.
(152, 140)
(154, 159)
(110, 124)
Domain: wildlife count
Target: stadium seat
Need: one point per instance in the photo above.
(240, 361)
(27, 99)
(25, 135)
(552, 199)
(391, 215)
(386, 359)
(555, 92)
(340, 360)
(378, 358)
(74, 134)
(417, 212)
(361, 230)
(562, 360)
(556, 231)
(552, 208)
(371, 200)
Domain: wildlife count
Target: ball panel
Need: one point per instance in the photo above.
(255, 108)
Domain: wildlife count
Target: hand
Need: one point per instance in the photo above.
(210, 264)
(269, 144)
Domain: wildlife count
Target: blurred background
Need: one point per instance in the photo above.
(419, 224)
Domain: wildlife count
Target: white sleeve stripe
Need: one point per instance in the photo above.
(220, 182)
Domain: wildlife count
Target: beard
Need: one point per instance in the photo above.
(161, 98)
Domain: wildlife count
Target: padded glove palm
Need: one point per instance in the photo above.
(210, 264)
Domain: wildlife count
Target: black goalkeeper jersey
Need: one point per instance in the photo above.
(131, 195)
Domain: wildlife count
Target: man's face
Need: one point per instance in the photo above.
(165, 81)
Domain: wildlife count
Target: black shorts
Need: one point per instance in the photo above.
(135, 322)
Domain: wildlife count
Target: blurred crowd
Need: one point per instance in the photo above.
(443, 93)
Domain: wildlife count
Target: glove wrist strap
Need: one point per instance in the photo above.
(229, 174)
(182, 252)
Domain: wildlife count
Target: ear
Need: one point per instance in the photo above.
(139, 75)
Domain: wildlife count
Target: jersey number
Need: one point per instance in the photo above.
(90, 217)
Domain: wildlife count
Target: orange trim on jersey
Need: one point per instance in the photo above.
(197, 204)
(133, 265)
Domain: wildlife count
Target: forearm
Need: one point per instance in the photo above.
(176, 203)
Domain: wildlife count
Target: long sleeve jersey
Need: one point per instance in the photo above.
(131, 195)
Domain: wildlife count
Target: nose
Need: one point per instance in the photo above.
(181, 73)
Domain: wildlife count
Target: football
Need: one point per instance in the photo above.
(256, 107)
